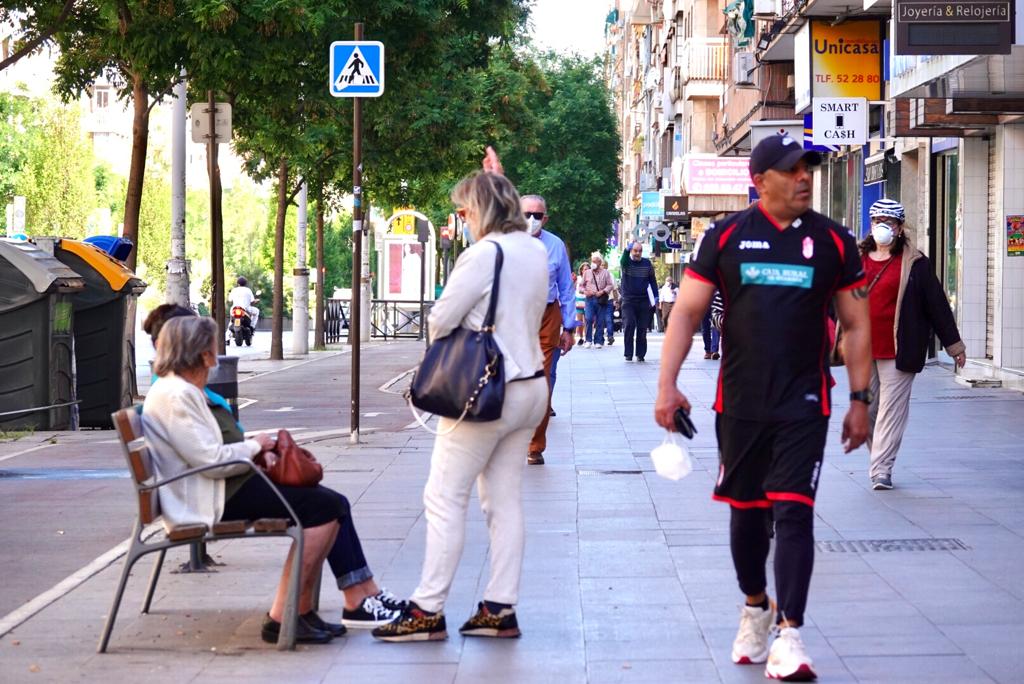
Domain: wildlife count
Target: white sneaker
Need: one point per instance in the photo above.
(788, 660)
(751, 644)
(587, 345)
(597, 346)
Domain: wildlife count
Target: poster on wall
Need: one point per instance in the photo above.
(1015, 235)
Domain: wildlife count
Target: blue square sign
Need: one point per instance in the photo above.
(357, 69)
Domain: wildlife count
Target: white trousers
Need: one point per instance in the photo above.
(493, 455)
(888, 414)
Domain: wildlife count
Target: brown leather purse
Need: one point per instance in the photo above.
(295, 467)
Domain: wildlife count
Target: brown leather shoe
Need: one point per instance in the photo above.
(535, 458)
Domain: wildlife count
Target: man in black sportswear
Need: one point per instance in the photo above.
(778, 265)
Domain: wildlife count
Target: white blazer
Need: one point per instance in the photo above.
(522, 297)
(182, 433)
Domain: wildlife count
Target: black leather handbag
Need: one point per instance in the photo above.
(462, 375)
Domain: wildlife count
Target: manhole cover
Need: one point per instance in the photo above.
(889, 545)
(63, 474)
(609, 472)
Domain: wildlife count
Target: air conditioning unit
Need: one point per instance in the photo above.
(765, 8)
(743, 65)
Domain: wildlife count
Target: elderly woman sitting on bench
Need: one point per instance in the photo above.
(183, 433)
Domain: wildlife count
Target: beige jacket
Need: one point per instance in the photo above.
(182, 433)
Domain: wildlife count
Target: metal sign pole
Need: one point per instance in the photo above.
(216, 228)
(357, 252)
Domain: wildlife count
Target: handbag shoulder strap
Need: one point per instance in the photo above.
(492, 309)
(878, 276)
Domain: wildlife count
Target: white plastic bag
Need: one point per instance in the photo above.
(672, 459)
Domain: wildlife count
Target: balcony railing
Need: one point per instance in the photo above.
(703, 59)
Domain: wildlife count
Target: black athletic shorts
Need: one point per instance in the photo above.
(764, 462)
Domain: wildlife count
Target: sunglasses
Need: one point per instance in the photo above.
(534, 214)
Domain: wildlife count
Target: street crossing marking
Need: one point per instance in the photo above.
(357, 68)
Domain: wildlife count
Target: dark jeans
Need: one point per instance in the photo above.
(554, 368)
(609, 313)
(636, 318)
(595, 320)
(709, 333)
(314, 506)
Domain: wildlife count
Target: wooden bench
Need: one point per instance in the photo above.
(128, 425)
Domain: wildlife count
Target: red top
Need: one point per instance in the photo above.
(882, 303)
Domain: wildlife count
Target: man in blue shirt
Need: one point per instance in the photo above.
(556, 330)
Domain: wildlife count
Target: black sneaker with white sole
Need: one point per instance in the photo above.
(390, 601)
(371, 613)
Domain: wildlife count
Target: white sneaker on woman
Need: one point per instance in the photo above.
(788, 660)
(751, 644)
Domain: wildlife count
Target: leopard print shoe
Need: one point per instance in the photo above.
(499, 625)
(414, 624)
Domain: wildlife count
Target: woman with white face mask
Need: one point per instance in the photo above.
(907, 303)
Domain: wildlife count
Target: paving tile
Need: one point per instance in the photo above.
(924, 669)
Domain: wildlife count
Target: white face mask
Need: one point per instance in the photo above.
(533, 225)
(882, 233)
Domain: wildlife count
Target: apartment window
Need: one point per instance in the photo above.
(101, 98)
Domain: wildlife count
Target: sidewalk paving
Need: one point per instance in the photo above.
(627, 576)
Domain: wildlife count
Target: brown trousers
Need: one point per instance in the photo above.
(550, 335)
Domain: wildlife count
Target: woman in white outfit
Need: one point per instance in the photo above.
(488, 453)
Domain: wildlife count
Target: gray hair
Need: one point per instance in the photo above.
(536, 198)
(182, 343)
(494, 201)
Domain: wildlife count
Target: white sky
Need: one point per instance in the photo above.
(570, 25)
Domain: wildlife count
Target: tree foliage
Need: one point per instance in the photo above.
(574, 160)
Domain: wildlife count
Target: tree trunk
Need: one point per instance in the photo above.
(318, 329)
(276, 347)
(137, 170)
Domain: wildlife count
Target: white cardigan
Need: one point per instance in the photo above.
(182, 433)
(522, 297)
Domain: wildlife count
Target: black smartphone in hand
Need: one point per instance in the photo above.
(684, 425)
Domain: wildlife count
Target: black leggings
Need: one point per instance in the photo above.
(749, 530)
(314, 506)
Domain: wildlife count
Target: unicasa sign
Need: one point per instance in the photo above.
(846, 59)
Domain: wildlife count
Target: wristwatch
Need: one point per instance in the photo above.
(862, 395)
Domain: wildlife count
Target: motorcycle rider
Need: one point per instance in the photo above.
(242, 296)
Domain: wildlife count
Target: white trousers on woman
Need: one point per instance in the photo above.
(888, 414)
(493, 455)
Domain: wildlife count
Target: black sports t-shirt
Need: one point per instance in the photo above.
(776, 284)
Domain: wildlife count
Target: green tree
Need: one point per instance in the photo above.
(57, 175)
(16, 131)
(574, 161)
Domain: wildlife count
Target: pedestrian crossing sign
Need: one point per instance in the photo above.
(357, 68)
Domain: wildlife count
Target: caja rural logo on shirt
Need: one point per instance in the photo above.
(784, 275)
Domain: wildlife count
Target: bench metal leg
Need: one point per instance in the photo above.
(154, 576)
(108, 626)
(290, 619)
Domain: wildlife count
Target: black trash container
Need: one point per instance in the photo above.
(104, 330)
(37, 369)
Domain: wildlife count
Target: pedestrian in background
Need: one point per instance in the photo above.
(710, 334)
(597, 286)
(667, 296)
(907, 303)
(773, 399)
(581, 302)
(559, 321)
(609, 311)
(489, 454)
(638, 286)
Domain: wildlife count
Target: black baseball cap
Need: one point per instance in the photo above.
(780, 152)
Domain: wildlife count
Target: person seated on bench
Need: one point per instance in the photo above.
(182, 433)
(367, 605)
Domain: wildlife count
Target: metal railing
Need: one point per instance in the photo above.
(389, 319)
(704, 59)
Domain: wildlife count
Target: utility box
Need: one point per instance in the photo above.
(37, 360)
